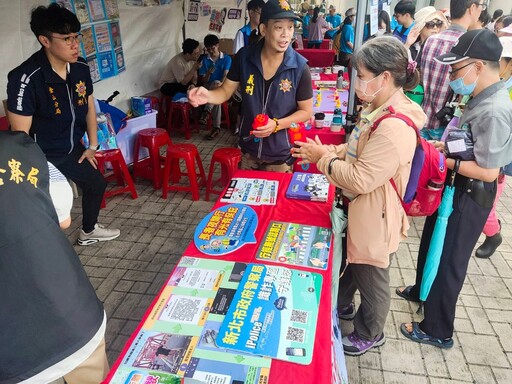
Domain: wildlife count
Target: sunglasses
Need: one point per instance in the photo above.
(433, 24)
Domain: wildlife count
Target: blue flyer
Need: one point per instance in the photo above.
(226, 229)
(274, 313)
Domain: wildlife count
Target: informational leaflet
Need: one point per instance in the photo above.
(251, 191)
(226, 229)
(177, 342)
(296, 244)
(274, 313)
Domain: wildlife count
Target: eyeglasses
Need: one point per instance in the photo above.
(483, 5)
(451, 74)
(433, 24)
(69, 40)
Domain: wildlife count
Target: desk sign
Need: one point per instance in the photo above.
(273, 313)
(226, 229)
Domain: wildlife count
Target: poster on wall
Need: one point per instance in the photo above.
(235, 14)
(101, 36)
(193, 11)
(217, 20)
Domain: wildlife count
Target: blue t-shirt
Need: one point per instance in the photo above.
(305, 23)
(222, 64)
(335, 21)
(347, 34)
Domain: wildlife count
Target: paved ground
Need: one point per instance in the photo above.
(128, 273)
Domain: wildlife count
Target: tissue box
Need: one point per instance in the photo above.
(141, 106)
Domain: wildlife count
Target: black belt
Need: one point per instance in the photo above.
(483, 193)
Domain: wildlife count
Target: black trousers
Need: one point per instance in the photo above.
(170, 89)
(464, 227)
(90, 181)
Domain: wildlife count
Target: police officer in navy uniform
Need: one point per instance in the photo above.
(275, 80)
(50, 97)
(52, 324)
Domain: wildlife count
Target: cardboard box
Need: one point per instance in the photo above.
(141, 106)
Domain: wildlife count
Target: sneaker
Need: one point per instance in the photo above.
(100, 233)
(347, 312)
(355, 345)
(213, 134)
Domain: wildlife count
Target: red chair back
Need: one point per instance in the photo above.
(4, 123)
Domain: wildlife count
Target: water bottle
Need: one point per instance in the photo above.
(337, 120)
(339, 80)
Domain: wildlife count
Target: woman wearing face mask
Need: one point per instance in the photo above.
(384, 24)
(428, 22)
(362, 169)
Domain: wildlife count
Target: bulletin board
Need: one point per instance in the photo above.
(101, 36)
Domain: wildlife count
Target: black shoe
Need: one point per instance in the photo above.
(489, 246)
(213, 134)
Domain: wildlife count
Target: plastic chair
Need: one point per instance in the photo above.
(120, 174)
(150, 168)
(228, 159)
(173, 173)
(185, 111)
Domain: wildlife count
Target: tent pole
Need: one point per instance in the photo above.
(358, 41)
(183, 29)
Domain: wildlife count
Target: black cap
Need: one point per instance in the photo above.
(277, 9)
(479, 44)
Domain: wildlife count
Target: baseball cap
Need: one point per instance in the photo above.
(332, 6)
(476, 44)
(506, 42)
(277, 9)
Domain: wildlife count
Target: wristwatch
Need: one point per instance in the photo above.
(94, 147)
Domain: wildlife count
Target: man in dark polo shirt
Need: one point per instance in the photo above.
(52, 324)
(50, 97)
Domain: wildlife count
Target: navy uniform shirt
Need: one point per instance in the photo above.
(58, 107)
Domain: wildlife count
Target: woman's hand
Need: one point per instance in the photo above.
(412, 36)
(310, 151)
(198, 96)
(439, 145)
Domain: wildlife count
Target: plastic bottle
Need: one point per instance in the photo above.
(339, 80)
(337, 120)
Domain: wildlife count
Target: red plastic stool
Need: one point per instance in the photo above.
(224, 116)
(228, 158)
(120, 173)
(185, 110)
(172, 170)
(163, 108)
(150, 168)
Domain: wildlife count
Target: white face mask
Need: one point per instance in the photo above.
(360, 87)
(380, 32)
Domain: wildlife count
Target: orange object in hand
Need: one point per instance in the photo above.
(259, 121)
(296, 133)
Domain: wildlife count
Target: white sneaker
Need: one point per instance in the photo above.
(100, 233)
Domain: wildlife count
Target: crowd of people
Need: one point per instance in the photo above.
(460, 57)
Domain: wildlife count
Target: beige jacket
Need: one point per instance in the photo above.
(376, 219)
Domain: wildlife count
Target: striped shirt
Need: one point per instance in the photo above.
(435, 75)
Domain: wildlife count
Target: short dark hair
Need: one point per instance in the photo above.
(458, 7)
(485, 18)
(54, 18)
(255, 4)
(189, 45)
(405, 6)
(497, 13)
(210, 40)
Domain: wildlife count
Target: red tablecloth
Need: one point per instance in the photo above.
(297, 211)
(318, 57)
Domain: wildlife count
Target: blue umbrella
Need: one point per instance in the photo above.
(437, 241)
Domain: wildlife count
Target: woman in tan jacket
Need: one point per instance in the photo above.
(362, 169)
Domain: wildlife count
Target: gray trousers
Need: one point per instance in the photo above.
(373, 285)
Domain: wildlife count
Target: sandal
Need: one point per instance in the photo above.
(213, 134)
(405, 293)
(417, 335)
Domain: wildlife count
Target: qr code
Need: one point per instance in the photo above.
(299, 316)
(187, 261)
(295, 334)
